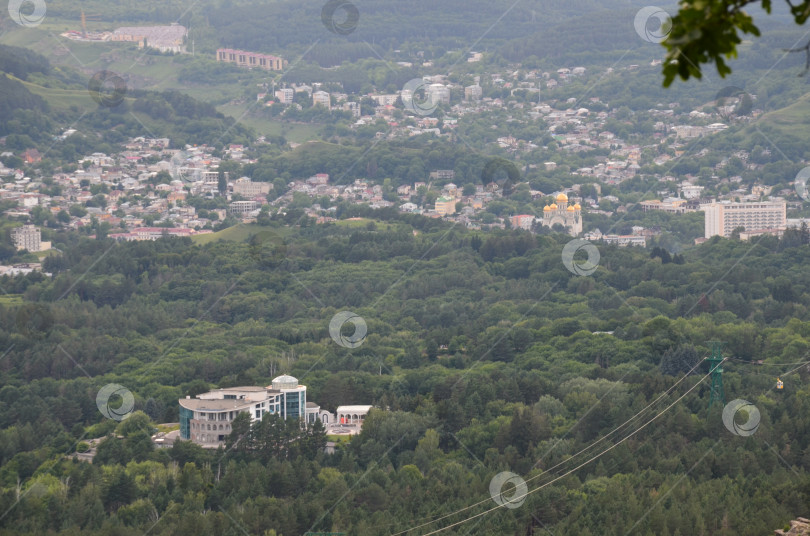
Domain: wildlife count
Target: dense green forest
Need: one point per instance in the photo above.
(484, 354)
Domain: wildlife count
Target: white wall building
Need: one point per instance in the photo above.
(322, 98)
(206, 419)
(438, 94)
(385, 100)
(691, 191)
(473, 92)
(27, 237)
(238, 208)
(722, 218)
(351, 414)
(285, 95)
(247, 188)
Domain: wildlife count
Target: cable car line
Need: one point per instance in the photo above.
(767, 364)
(585, 449)
(596, 457)
(583, 464)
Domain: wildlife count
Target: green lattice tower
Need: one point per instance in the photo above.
(716, 369)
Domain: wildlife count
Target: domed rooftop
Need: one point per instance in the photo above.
(577, 207)
(562, 198)
(553, 206)
(546, 208)
(285, 382)
(570, 208)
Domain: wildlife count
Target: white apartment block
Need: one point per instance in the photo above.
(352, 107)
(27, 237)
(285, 95)
(723, 218)
(473, 92)
(322, 98)
(438, 94)
(210, 177)
(385, 100)
(238, 208)
(443, 174)
(247, 188)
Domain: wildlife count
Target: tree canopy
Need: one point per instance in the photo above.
(708, 31)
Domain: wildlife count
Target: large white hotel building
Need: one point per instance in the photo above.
(207, 418)
(722, 218)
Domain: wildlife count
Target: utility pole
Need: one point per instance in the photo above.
(716, 370)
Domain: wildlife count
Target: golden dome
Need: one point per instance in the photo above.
(553, 206)
(562, 198)
(546, 208)
(577, 207)
(570, 209)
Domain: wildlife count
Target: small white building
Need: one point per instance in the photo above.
(691, 191)
(351, 414)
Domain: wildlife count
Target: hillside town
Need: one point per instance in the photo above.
(149, 189)
(386, 269)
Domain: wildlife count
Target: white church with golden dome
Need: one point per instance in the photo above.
(569, 216)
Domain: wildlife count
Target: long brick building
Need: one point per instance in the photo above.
(251, 59)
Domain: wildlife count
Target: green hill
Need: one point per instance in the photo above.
(484, 353)
(237, 233)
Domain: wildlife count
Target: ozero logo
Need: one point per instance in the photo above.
(515, 496)
(744, 410)
(345, 27)
(348, 341)
(28, 13)
(114, 390)
(652, 24)
(577, 267)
